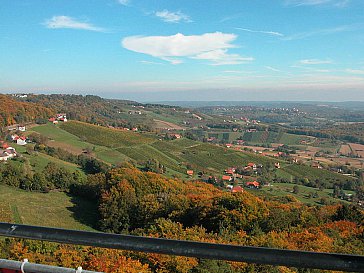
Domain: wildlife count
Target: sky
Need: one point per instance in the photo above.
(158, 50)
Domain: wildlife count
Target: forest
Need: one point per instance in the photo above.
(13, 112)
(144, 203)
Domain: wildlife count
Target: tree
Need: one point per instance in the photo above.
(296, 189)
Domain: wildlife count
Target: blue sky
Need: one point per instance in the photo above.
(184, 50)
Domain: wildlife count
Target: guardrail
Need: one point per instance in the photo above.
(38, 268)
(258, 255)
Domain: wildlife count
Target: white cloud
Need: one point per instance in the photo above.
(69, 22)
(336, 3)
(274, 33)
(220, 57)
(355, 71)
(315, 61)
(172, 17)
(208, 46)
(272, 69)
(327, 31)
(149, 62)
(124, 2)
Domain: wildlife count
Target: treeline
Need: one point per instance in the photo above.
(91, 109)
(18, 173)
(16, 112)
(350, 133)
(87, 163)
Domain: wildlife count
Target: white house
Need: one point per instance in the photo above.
(21, 128)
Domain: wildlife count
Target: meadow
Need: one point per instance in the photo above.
(53, 209)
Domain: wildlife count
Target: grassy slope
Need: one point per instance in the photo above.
(40, 160)
(312, 173)
(54, 209)
(283, 189)
(173, 154)
(65, 140)
(273, 137)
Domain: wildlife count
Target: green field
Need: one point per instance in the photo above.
(38, 161)
(114, 146)
(53, 132)
(102, 136)
(313, 174)
(54, 209)
(304, 194)
(262, 137)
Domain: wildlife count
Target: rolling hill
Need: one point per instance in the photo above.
(116, 146)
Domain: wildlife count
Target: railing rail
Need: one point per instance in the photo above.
(258, 255)
(38, 268)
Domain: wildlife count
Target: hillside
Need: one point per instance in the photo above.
(177, 156)
(174, 154)
(118, 113)
(14, 112)
(148, 204)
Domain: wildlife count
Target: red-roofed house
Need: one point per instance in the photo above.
(226, 178)
(21, 140)
(230, 171)
(190, 172)
(4, 145)
(252, 165)
(252, 185)
(237, 189)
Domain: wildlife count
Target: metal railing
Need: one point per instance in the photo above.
(38, 268)
(257, 255)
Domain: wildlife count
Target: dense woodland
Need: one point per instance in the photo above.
(143, 203)
(15, 112)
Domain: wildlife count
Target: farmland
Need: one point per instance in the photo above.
(111, 138)
(124, 146)
(176, 155)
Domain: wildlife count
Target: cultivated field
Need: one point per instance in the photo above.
(160, 124)
(111, 138)
(345, 149)
(357, 149)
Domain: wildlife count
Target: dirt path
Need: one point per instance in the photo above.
(166, 125)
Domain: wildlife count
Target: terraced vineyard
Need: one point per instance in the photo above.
(111, 138)
(273, 137)
(114, 146)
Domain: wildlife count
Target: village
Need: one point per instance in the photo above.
(16, 135)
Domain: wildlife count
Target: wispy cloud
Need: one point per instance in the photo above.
(231, 17)
(172, 17)
(124, 2)
(149, 62)
(69, 22)
(272, 69)
(209, 46)
(326, 31)
(274, 33)
(355, 71)
(221, 57)
(238, 72)
(315, 61)
(312, 69)
(335, 3)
